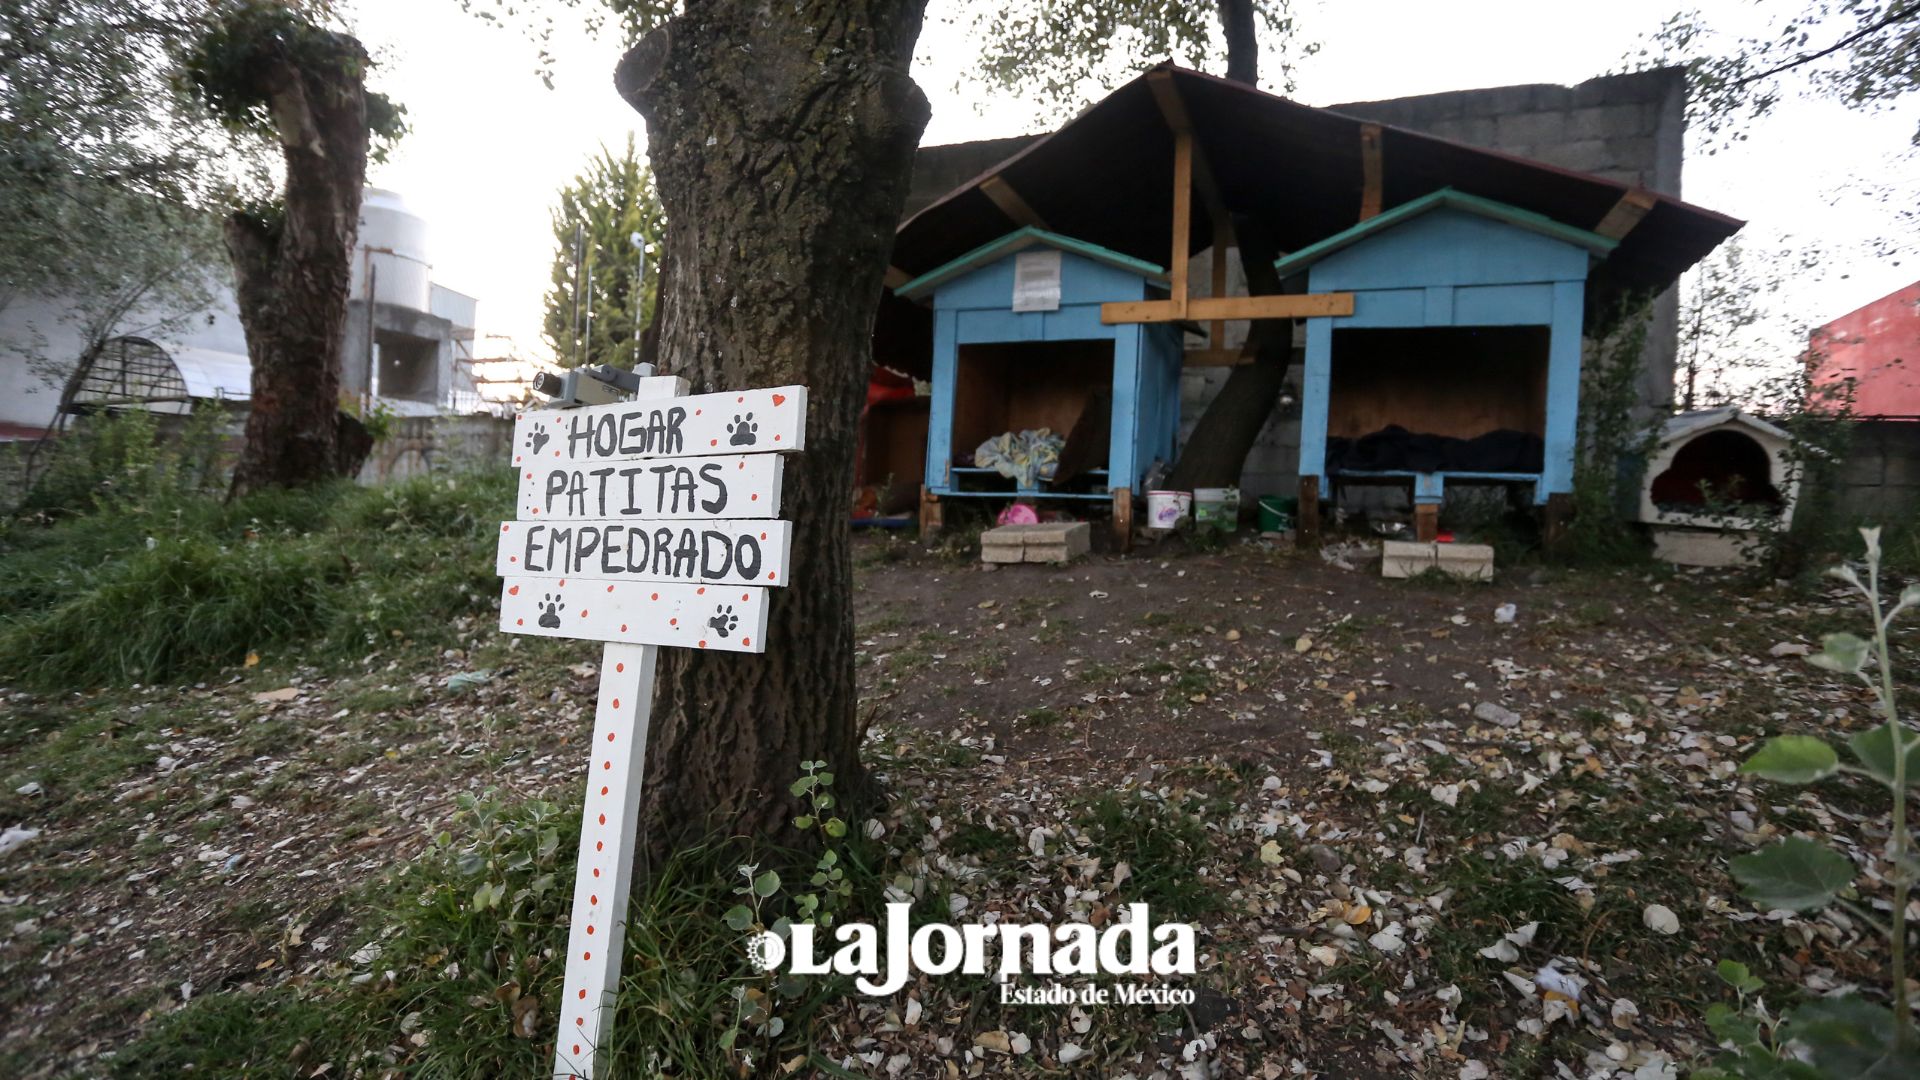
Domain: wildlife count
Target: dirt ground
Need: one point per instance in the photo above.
(1353, 785)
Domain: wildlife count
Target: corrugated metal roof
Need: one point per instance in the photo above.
(210, 373)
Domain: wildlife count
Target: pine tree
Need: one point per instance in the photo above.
(609, 202)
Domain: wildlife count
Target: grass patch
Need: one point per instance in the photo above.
(181, 588)
(1164, 842)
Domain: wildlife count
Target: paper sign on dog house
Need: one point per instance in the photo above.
(640, 524)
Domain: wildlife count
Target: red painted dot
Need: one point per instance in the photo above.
(519, 622)
(586, 956)
(513, 558)
(703, 644)
(713, 442)
(583, 613)
(742, 465)
(533, 510)
(616, 704)
(583, 995)
(742, 397)
(556, 453)
(529, 476)
(503, 528)
(697, 412)
(599, 845)
(589, 929)
(563, 581)
(673, 622)
(623, 628)
(606, 764)
(516, 459)
(580, 1021)
(591, 899)
(769, 575)
(776, 438)
(702, 591)
(746, 596)
(656, 596)
(603, 790)
(576, 1049)
(746, 641)
(755, 497)
(603, 819)
(609, 588)
(619, 667)
(596, 871)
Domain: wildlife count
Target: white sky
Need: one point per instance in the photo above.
(491, 146)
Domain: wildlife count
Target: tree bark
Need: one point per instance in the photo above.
(782, 138)
(291, 268)
(1243, 41)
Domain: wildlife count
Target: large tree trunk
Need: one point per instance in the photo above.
(1243, 42)
(291, 268)
(781, 137)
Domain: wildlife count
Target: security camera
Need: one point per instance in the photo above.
(602, 385)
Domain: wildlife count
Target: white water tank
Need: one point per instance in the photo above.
(393, 245)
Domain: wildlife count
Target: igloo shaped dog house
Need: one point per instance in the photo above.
(1717, 476)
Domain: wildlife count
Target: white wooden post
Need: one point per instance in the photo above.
(639, 524)
(608, 828)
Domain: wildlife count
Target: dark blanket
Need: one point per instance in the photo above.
(1394, 448)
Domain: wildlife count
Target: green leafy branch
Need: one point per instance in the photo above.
(1844, 1036)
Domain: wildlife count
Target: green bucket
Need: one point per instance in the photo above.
(1276, 513)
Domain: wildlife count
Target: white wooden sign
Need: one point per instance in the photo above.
(640, 524)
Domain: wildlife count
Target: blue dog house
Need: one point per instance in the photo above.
(1018, 344)
(1461, 360)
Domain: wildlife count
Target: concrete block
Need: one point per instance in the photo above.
(1701, 547)
(1049, 553)
(1003, 554)
(1585, 155)
(1046, 542)
(1406, 558)
(1540, 129)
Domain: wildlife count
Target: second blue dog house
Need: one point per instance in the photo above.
(1461, 360)
(1018, 344)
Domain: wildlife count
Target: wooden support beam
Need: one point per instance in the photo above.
(1010, 203)
(1182, 217)
(1306, 526)
(1217, 331)
(1301, 306)
(1173, 109)
(1123, 519)
(896, 277)
(1626, 213)
(1371, 171)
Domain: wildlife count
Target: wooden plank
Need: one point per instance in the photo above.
(721, 618)
(603, 871)
(735, 422)
(1372, 174)
(1010, 203)
(703, 552)
(1626, 213)
(1217, 330)
(679, 489)
(1300, 306)
(1182, 215)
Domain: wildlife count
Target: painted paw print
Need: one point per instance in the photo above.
(550, 609)
(723, 619)
(539, 438)
(743, 431)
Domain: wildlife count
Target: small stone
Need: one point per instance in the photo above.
(1325, 859)
(1489, 713)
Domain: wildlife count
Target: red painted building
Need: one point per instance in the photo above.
(1878, 347)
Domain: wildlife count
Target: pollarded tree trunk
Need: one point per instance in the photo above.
(291, 267)
(782, 138)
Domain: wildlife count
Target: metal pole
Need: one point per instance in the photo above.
(579, 256)
(639, 298)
